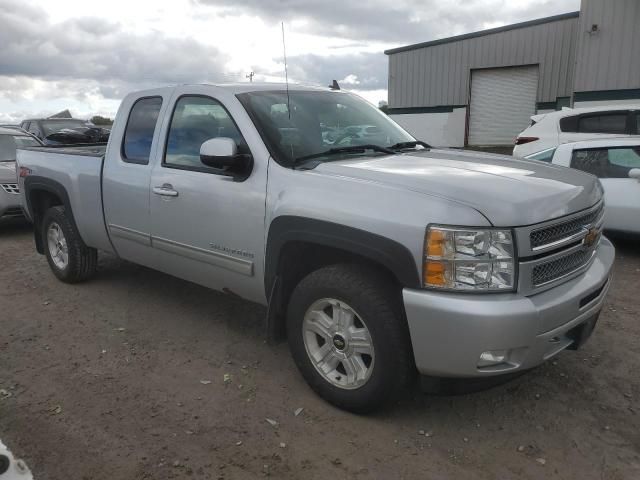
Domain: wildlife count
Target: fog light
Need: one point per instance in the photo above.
(492, 357)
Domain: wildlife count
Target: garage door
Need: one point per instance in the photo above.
(502, 100)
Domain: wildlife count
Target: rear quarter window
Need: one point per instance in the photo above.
(141, 126)
(606, 122)
(611, 123)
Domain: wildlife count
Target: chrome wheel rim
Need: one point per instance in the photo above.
(57, 244)
(338, 343)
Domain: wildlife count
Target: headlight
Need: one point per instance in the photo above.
(469, 259)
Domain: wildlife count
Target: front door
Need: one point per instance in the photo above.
(207, 226)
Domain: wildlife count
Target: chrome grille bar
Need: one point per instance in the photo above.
(563, 232)
(558, 250)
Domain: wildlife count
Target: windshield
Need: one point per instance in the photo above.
(8, 144)
(315, 122)
(50, 127)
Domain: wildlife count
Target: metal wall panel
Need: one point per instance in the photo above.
(440, 74)
(608, 59)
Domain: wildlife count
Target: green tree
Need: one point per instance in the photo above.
(99, 120)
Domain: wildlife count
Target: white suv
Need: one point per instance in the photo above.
(573, 125)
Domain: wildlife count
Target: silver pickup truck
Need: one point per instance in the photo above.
(378, 256)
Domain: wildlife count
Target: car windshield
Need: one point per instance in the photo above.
(8, 144)
(311, 123)
(50, 127)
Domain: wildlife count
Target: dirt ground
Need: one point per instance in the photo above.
(110, 380)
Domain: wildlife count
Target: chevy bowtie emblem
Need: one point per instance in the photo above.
(591, 237)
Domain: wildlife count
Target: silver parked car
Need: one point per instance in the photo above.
(10, 138)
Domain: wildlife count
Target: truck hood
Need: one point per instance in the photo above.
(509, 192)
(8, 172)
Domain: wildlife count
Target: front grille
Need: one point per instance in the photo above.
(559, 231)
(549, 271)
(11, 188)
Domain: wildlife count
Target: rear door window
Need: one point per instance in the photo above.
(607, 162)
(141, 126)
(615, 123)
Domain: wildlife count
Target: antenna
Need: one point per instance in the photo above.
(286, 75)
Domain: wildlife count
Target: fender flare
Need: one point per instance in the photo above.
(392, 255)
(35, 182)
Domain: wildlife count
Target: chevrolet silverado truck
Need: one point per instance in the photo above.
(377, 256)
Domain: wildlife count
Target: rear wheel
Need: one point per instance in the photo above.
(348, 337)
(68, 256)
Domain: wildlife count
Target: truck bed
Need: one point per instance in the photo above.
(89, 150)
(78, 169)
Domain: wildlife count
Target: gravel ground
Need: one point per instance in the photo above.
(123, 377)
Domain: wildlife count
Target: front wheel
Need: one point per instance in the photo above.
(68, 256)
(348, 337)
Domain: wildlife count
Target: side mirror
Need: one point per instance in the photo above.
(219, 152)
(635, 173)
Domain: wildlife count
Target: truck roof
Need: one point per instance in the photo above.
(245, 87)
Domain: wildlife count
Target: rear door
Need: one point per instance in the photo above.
(208, 227)
(127, 172)
(613, 166)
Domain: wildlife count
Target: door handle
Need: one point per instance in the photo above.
(165, 190)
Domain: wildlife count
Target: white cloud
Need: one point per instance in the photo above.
(85, 55)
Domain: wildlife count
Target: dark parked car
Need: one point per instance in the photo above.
(10, 139)
(65, 131)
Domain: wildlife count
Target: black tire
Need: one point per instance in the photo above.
(378, 302)
(82, 259)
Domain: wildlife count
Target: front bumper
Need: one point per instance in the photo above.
(450, 331)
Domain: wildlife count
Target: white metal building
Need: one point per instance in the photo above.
(481, 88)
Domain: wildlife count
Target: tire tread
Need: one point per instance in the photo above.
(83, 260)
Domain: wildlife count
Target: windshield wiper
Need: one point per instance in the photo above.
(414, 144)
(349, 149)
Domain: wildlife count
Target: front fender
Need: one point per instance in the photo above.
(392, 255)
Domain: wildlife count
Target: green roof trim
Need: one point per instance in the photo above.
(625, 94)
